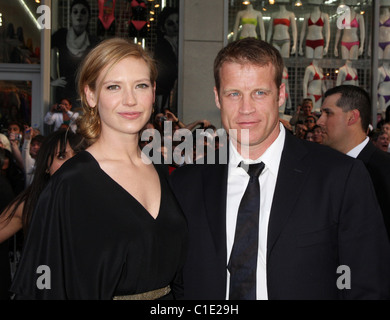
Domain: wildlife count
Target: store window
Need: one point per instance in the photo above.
(20, 37)
(80, 25)
(15, 97)
(323, 44)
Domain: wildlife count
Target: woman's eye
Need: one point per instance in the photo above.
(113, 87)
(142, 86)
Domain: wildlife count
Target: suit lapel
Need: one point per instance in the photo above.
(215, 190)
(291, 177)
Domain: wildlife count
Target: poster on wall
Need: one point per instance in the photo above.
(82, 24)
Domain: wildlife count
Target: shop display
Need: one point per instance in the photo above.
(383, 87)
(69, 47)
(282, 23)
(384, 30)
(247, 23)
(352, 35)
(138, 27)
(314, 85)
(323, 43)
(315, 33)
(84, 23)
(287, 103)
(347, 75)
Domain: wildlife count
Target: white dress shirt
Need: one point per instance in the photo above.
(356, 151)
(237, 183)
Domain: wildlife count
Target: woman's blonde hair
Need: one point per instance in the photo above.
(107, 54)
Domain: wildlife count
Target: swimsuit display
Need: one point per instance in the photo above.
(138, 24)
(317, 77)
(386, 79)
(285, 22)
(318, 23)
(249, 21)
(106, 19)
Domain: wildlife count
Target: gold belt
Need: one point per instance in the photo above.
(150, 295)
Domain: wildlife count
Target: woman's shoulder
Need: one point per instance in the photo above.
(82, 164)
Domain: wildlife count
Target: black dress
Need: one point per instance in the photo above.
(98, 240)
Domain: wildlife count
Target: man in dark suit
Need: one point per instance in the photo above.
(345, 120)
(320, 231)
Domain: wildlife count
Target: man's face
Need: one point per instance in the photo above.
(13, 128)
(300, 130)
(386, 128)
(382, 142)
(249, 99)
(306, 108)
(317, 135)
(333, 122)
(310, 122)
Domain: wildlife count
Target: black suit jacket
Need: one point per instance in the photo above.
(377, 163)
(324, 215)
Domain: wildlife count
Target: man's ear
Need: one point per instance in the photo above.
(353, 116)
(216, 97)
(282, 94)
(90, 95)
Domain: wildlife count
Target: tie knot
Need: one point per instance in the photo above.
(254, 170)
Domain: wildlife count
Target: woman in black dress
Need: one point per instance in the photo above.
(107, 225)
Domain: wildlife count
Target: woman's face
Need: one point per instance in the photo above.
(60, 158)
(171, 25)
(66, 104)
(126, 98)
(79, 18)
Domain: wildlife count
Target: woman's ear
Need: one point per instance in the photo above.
(90, 95)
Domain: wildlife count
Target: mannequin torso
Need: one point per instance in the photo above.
(314, 84)
(318, 34)
(347, 75)
(384, 33)
(384, 86)
(287, 103)
(250, 20)
(353, 37)
(278, 31)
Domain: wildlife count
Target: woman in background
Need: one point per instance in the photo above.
(56, 148)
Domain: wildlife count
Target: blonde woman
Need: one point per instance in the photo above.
(107, 226)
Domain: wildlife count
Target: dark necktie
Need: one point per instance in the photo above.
(243, 259)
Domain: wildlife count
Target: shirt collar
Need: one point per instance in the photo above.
(356, 151)
(271, 157)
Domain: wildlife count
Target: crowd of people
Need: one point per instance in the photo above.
(306, 125)
(111, 225)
